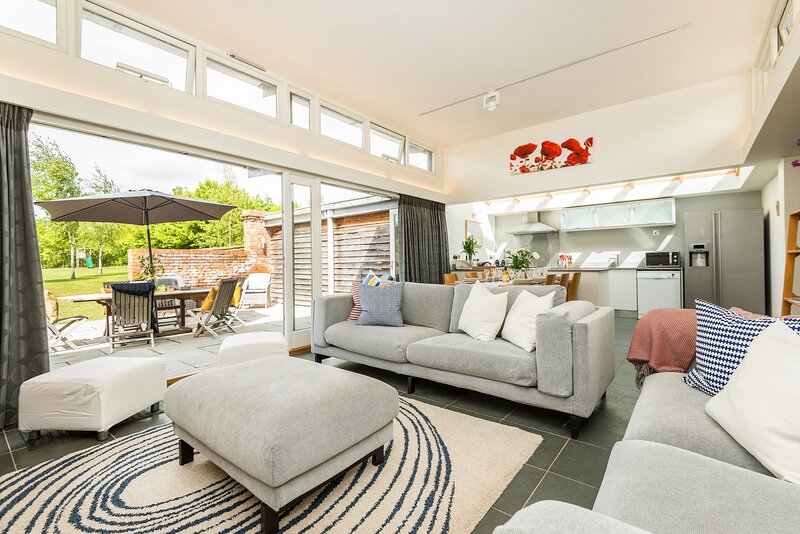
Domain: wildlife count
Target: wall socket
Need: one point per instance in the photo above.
(656, 232)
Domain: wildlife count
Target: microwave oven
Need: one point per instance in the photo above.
(661, 259)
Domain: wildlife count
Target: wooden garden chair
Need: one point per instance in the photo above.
(59, 329)
(219, 315)
(131, 317)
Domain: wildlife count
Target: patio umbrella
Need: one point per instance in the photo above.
(142, 208)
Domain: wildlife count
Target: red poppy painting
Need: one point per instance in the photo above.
(533, 157)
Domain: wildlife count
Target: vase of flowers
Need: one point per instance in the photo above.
(521, 261)
(470, 244)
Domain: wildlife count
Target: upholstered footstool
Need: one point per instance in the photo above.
(282, 427)
(92, 395)
(251, 346)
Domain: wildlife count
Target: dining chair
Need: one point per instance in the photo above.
(472, 274)
(132, 314)
(550, 280)
(572, 288)
(450, 279)
(564, 281)
(219, 314)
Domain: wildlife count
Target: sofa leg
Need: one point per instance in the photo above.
(155, 407)
(319, 357)
(102, 436)
(411, 385)
(269, 520)
(575, 423)
(32, 435)
(185, 453)
(378, 456)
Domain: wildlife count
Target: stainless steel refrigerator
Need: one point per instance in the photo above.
(725, 258)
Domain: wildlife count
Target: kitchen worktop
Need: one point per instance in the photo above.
(615, 268)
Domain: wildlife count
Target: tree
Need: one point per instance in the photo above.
(100, 235)
(54, 176)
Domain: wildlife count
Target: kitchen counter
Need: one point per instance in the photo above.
(592, 269)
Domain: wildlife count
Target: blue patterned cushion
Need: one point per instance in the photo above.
(380, 306)
(723, 338)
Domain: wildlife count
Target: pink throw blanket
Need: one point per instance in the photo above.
(664, 339)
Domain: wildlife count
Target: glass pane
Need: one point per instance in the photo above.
(115, 45)
(341, 127)
(420, 157)
(614, 215)
(249, 92)
(386, 144)
(33, 17)
(578, 218)
(301, 248)
(301, 111)
(658, 212)
(356, 236)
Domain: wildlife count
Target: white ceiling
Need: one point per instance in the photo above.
(391, 61)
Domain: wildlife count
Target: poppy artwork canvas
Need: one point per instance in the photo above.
(533, 157)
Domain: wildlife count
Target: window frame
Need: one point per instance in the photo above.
(313, 125)
(434, 159)
(104, 12)
(403, 143)
(324, 104)
(61, 30)
(202, 88)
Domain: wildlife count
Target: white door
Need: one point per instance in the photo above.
(658, 289)
(302, 267)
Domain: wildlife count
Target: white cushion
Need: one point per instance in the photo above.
(241, 348)
(483, 313)
(520, 325)
(759, 405)
(92, 395)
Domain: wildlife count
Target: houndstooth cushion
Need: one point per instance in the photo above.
(723, 338)
(380, 306)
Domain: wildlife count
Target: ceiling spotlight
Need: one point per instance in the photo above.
(490, 100)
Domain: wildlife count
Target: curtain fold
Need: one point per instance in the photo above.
(423, 237)
(23, 334)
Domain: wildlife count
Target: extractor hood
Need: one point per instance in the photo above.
(531, 226)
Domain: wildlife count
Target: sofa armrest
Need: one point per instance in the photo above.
(553, 517)
(554, 359)
(593, 339)
(328, 310)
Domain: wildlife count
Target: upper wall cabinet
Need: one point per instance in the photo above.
(624, 215)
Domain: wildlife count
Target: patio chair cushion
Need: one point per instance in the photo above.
(237, 295)
(92, 395)
(208, 302)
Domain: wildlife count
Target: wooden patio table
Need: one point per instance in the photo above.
(181, 295)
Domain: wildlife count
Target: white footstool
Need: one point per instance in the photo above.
(242, 348)
(93, 395)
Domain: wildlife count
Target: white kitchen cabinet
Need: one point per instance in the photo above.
(660, 212)
(617, 289)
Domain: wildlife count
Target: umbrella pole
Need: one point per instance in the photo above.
(149, 244)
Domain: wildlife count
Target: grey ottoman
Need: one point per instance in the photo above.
(282, 427)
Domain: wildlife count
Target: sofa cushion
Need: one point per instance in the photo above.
(496, 360)
(382, 342)
(668, 411)
(461, 293)
(666, 489)
(427, 305)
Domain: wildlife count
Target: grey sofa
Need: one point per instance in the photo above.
(676, 470)
(569, 371)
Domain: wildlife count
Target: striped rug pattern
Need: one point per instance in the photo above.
(436, 478)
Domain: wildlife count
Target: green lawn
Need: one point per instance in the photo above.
(86, 281)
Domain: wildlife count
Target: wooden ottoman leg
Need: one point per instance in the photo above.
(378, 456)
(185, 453)
(269, 520)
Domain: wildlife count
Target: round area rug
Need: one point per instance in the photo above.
(443, 471)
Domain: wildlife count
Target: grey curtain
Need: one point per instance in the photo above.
(23, 332)
(423, 240)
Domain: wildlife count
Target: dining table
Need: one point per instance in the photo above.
(180, 295)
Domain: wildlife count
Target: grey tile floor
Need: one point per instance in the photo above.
(562, 469)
